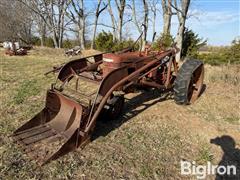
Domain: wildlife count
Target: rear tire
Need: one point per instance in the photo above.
(189, 82)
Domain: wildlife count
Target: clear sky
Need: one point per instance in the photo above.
(218, 21)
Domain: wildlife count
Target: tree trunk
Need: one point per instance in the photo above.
(145, 24)
(182, 16)
(179, 39)
(43, 34)
(82, 26)
(61, 30)
(167, 16)
(135, 21)
(94, 33)
(98, 12)
(42, 39)
(166, 23)
(82, 38)
(120, 24)
(112, 20)
(154, 24)
(82, 32)
(55, 41)
(121, 8)
(77, 16)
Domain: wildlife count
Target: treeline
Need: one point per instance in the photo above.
(56, 19)
(52, 22)
(221, 55)
(104, 41)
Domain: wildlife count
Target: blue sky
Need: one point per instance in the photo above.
(218, 21)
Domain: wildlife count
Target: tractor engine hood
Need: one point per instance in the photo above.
(122, 58)
(114, 61)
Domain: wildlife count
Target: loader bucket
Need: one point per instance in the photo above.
(54, 131)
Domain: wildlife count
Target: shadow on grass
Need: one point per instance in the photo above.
(131, 109)
(204, 87)
(103, 126)
(231, 157)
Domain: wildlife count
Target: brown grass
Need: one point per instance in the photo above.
(147, 142)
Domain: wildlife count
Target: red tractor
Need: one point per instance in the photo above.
(89, 86)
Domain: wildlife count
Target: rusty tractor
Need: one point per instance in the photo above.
(86, 87)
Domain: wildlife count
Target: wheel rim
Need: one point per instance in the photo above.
(195, 84)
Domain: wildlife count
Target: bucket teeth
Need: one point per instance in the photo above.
(44, 139)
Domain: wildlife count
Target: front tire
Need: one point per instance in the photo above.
(189, 82)
(114, 107)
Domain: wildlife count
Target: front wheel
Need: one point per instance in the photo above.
(114, 107)
(189, 82)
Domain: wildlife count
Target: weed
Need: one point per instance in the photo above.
(233, 120)
(204, 155)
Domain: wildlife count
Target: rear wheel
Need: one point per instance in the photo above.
(189, 82)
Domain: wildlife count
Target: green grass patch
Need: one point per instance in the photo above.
(233, 120)
(27, 88)
(204, 155)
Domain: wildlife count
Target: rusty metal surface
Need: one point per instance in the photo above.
(75, 63)
(196, 84)
(66, 122)
(19, 52)
(125, 57)
(45, 138)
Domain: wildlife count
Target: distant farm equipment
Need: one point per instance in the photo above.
(14, 49)
(74, 51)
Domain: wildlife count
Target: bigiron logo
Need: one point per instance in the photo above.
(201, 171)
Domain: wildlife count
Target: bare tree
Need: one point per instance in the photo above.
(120, 7)
(53, 14)
(78, 16)
(41, 29)
(55, 17)
(182, 16)
(167, 16)
(57, 14)
(153, 6)
(145, 22)
(114, 24)
(134, 15)
(97, 14)
(117, 25)
(16, 21)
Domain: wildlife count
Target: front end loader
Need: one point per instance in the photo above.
(87, 87)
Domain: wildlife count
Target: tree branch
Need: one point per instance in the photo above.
(106, 5)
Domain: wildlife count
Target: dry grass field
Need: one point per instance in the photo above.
(147, 142)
